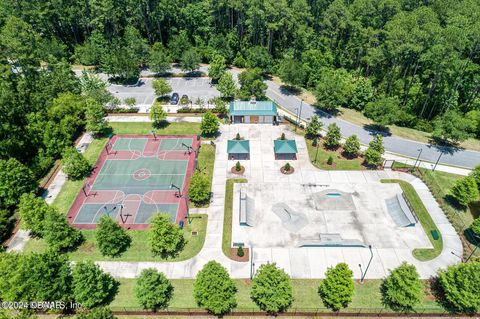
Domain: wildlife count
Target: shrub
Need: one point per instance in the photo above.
(313, 127)
(240, 252)
(372, 157)
(130, 101)
(330, 160)
(465, 190)
(112, 240)
(377, 144)
(214, 290)
(461, 286)
(5, 224)
(166, 238)
(97, 313)
(332, 139)
(475, 227)
(282, 137)
(153, 290)
(91, 286)
(271, 289)
(74, 164)
(476, 175)
(287, 167)
(210, 124)
(402, 290)
(199, 189)
(337, 289)
(237, 137)
(352, 146)
(238, 167)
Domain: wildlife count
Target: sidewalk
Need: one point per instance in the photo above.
(146, 118)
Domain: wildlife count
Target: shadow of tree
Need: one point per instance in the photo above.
(375, 129)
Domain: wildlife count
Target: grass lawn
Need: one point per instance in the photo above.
(139, 249)
(177, 128)
(206, 159)
(227, 219)
(425, 219)
(339, 161)
(367, 296)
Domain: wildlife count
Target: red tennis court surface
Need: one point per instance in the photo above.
(135, 177)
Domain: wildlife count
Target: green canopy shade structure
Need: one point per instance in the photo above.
(253, 112)
(238, 147)
(285, 149)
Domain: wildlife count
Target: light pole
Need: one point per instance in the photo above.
(460, 257)
(178, 188)
(316, 153)
(252, 263)
(438, 160)
(473, 252)
(418, 157)
(363, 274)
(299, 114)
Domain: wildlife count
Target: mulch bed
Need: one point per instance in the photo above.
(282, 169)
(240, 172)
(233, 255)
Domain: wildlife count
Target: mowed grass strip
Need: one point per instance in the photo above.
(339, 161)
(177, 128)
(425, 219)
(305, 292)
(139, 249)
(206, 160)
(228, 212)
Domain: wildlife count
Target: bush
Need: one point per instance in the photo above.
(377, 144)
(214, 290)
(91, 286)
(199, 189)
(461, 286)
(6, 225)
(237, 137)
(352, 146)
(476, 175)
(59, 234)
(74, 164)
(112, 240)
(465, 190)
(287, 167)
(238, 167)
(475, 227)
(166, 238)
(97, 313)
(337, 289)
(210, 124)
(122, 110)
(240, 252)
(332, 139)
(271, 289)
(130, 101)
(282, 137)
(15, 179)
(313, 127)
(153, 290)
(330, 160)
(402, 290)
(372, 157)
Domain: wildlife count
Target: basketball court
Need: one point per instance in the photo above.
(135, 177)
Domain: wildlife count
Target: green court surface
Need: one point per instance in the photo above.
(130, 144)
(177, 144)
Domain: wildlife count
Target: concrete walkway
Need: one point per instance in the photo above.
(146, 118)
(298, 262)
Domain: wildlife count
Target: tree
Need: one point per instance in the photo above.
(377, 144)
(97, 313)
(74, 164)
(452, 126)
(58, 233)
(465, 190)
(92, 86)
(383, 111)
(461, 286)
(402, 290)
(313, 127)
(153, 290)
(112, 240)
(214, 290)
(217, 67)
(332, 139)
(130, 101)
(33, 211)
(226, 85)
(476, 175)
(161, 87)
(251, 84)
(362, 93)
(92, 50)
(166, 238)
(5, 224)
(258, 57)
(475, 227)
(271, 289)
(190, 60)
(199, 189)
(91, 286)
(210, 124)
(15, 180)
(373, 157)
(95, 117)
(159, 60)
(337, 289)
(291, 72)
(157, 114)
(352, 146)
(333, 89)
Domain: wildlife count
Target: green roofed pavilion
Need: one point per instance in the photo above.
(238, 147)
(253, 112)
(285, 147)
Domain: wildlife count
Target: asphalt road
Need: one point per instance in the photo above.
(449, 156)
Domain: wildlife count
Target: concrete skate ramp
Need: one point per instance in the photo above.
(291, 220)
(400, 212)
(333, 199)
(331, 240)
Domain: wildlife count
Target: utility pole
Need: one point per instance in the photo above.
(363, 274)
(418, 157)
(438, 160)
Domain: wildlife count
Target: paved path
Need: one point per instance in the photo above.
(298, 262)
(146, 118)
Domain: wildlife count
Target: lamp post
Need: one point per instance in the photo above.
(460, 257)
(252, 263)
(438, 160)
(418, 157)
(363, 274)
(299, 114)
(316, 153)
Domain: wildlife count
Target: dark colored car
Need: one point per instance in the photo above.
(174, 99)
(184, 97)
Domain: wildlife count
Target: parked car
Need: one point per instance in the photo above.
(174, 99)
(184, 100)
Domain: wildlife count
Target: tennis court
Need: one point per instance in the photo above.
(135, 177)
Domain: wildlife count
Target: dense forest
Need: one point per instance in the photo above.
(406, 62)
